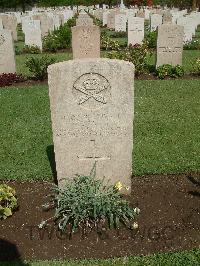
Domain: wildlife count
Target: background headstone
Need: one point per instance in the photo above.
(7, 55)
(10, 23)
(169, 45)
(135, 30)
(86, 42)
(120, 22)
(84, 20)
(155, 21)
(167, 17)
(33, 35)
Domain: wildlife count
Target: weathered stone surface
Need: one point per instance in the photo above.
(33, 35)
(105, 17)
(98, 13)
(120, 22)
(111, 19)
(1, 24)
(167, 17)
(84, 20)
(10, 23)
(155, 20)
(140, 14)
(135, 30)
(169, 45)
(86, 42)
(67, 14)
(189, 28)
(7, 55)
(47, 24)
(92, 118)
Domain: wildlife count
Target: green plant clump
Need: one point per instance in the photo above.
(38, 66)
(71, 22)
(151, 39)
(107, 43)
(136, 54)
(197, 67)
(86, 203)
(167, 70)
(8, 201)
(118, 34)
(31, 49)
(59, 39)
(193, 45)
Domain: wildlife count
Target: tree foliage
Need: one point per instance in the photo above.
(54, 3)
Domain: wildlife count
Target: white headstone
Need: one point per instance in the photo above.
(120, 22)
(155, 20)
(135, 30)
(33, 35)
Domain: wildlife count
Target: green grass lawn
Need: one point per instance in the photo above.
(189, 57)
(185, 258)
(166, 129)
(21, 59)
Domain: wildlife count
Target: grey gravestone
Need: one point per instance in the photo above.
(7, 55)
(92, 118)
(86, 42)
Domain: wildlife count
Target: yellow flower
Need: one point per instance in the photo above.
(135, 225)
(118, 185)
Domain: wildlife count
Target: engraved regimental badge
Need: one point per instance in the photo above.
(91, 91)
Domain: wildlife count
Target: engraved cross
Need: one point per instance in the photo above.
(93, 155)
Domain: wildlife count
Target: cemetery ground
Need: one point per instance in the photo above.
(166, 140)
(165, 183)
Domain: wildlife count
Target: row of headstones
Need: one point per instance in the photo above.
(34, 25)
(86, 43)
(37, 25)
(117, 19)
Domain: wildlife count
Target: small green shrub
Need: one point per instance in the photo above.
(96, 21)
(71, 22)
(32, 49)
(118, 34)
(167, 70)
(178, 71)
(58, 39)
(86, 203)
(38, 66)
(107, 43)
(196, 66)
(8, 201)
(151, 39)
(18, 51)
(136, 54)
(193, 45)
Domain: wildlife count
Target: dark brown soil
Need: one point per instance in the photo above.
(169, 221)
